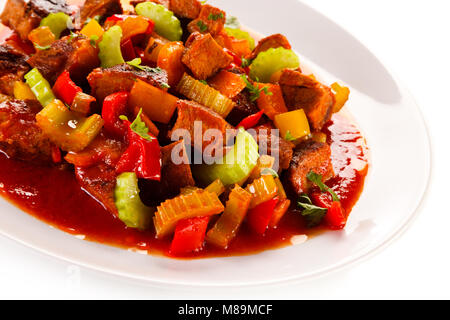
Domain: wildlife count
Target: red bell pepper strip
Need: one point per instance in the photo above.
(250, 121)
(114, 106)
(128, 51)
(56, 154)
(259, 217)
(142, 156)
(65, 89)
(116, 17)
(189, 235)
(336, 217)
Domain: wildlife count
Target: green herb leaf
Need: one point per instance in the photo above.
(215, 17)
(42, 47)
(164, 86)
(93, 40)
(136, 62)
(313, 214)
(232, 23)
(139, 126)
(254, 91)
(289, 136)
(245, 63)
(317, 180)
(269, 171)
(203, 81)
(202, 26)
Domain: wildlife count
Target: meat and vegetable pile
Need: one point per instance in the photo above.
(117, 95)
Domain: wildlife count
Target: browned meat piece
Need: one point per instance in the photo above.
(303, 92)
(95, 168)
(273, 41)
(122, 77)
(244, 107)
(20, 136)
(309, 155)
(25, 15)
(185, 8)
(101, 8)
(77, 56)
(277, 147)
(13, 67)
(211, 19)
(190, 112)
(99, 182)
(204, 57)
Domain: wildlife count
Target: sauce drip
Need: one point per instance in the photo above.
(53, 195)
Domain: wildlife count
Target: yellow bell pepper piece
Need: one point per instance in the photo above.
(23, 92)
(41, 37)
(341, 94)
(293, 125)
(92, 28)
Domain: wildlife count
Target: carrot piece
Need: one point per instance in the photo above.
(196, 204)
(227, 83)
(157, 104)
(280, 209)
(241, 47)
(153, 48)
(149, 123)
(271, 104)
(169, 59)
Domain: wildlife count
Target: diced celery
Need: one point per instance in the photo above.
(166, 24)
(271, 61)
(57, 22)
(131, 210)
(40, 87)
(109, 48)
(236, 165)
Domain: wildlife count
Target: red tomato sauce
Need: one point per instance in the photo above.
(53, 195)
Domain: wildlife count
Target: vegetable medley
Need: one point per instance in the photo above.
(118, 97)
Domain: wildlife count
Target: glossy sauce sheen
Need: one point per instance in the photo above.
(54, 196)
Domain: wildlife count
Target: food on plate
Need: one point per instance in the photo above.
(165, 126)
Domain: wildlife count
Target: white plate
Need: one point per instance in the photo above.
(397, 180)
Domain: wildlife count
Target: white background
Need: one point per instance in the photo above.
(412, 38)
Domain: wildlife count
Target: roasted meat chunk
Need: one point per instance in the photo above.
(77, 56)
(20, 137)
(273, 41)
(122, 77)
(309, 156)
(100, 8)
(211, 19)
(192, 117)
(13, 67)
(303, 92)
(243, 107)
(204, 57)
(185, 8)
(25, 15)
(276, 146)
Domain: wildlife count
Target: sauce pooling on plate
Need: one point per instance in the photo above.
(54, 196)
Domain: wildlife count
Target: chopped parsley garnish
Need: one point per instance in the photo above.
(215, 17)
(317, 180)
(232, 23)
(164, 85)
(255, 91)
(202, 26)
(289, 136)
(138, 126)
(93, 40)
(269, 171)
(72, 36)
(136, 62)
(313, 214)
(96, 18)
(203, 81)
(245, 63)
(42, 47)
